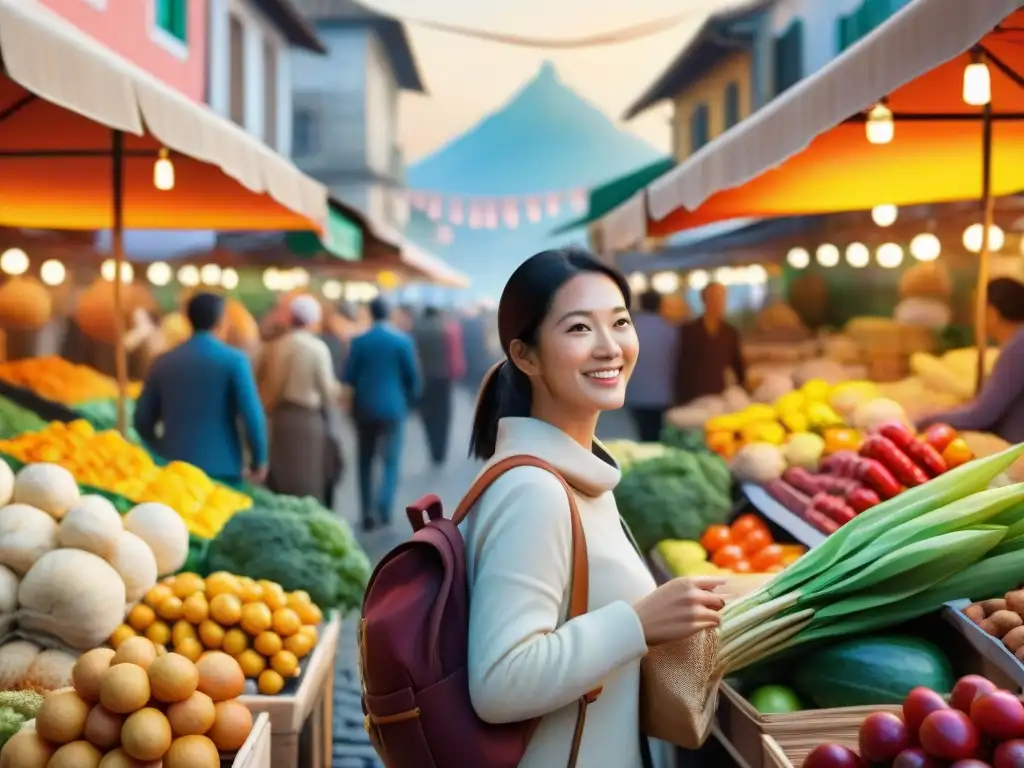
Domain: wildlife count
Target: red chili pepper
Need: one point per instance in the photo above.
(939, 436)
(821, 521)
(898, 433)
(862, 498)
(926, 457)
(879, 479)
(898, 463)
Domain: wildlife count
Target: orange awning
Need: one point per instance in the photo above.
(807, 153)
(62, 97)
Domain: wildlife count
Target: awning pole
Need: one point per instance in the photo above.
(117, 239)
(988, 214)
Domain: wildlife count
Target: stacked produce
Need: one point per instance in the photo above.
(54, 378)
(674, 495)
(745, 546)
(107, 461)
(16, 709)
(1003, 618)
(15, 420)
(847, 483)
(266, 630)
(137, 706)
(900, 559)
(980, 726)
(938, 383)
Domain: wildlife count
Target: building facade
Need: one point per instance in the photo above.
(345, 114)
(167, 38)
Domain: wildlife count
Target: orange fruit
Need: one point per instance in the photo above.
(299, 644)
(256, 618)
(311, 632)
(189, 648)
(170, 609)
(268, 643)
(211, 635)
(140, 617)
(252, 663)
(270, 682)
(226, 610)
(157, 595)
(286, 622)
(182, 630)
(250, 591)
(235, 641)
(120, 634)
(221, 583)
(309, 614)
(273, 595)
(159, 633)
(285, 664)
(187, 584)
(195, 608)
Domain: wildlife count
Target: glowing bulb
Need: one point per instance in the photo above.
(209, 274)
(271, 279)
(665, 282)
(52, 272)
(698, 279)
(798, 258)
(725, 276)
(332, 290)
(188, 276)
(879, 127)
(827, 255)
(163, 171)
(14, 261)
(159, 273)
(108, 269)
(857, 255)
(973, 234)
(925, 247)
(889, 255)
(977, 84)
(638, 282)
(229, 279)
(885, 215)
(757, 275)
(299, 278)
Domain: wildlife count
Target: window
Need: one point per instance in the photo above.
(172, 17)
(270, 93)
(858, 23)
(732, 105)
(236, 72)
(305, 132)
(699, 134)
(789, 57)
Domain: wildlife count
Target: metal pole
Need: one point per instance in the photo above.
(117, 239)
(988, 213)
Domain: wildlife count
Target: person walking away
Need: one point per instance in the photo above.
(999, 407)
(195, 396)
(652, 386)
(708, 347)
(297, 386)
(432, 346)
(384, 376)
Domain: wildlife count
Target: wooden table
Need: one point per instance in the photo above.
(255, 753)
(310, 706)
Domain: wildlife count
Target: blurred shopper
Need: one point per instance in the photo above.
(999, 407)
(385, 380)
(298, 387)
(709, 347)
(442, 364)
(195, 396)
(479, 330)
(653, 383)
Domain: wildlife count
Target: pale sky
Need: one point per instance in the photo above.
(467, 79)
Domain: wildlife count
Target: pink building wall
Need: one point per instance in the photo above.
(127, 27)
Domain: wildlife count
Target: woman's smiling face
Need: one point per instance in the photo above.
(586, 349)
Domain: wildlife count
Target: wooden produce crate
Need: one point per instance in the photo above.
(774, 756)
(255, 753)
(305, 709)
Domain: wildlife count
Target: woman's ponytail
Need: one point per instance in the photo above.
(505, 391)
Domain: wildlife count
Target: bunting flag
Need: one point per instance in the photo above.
(478, 212)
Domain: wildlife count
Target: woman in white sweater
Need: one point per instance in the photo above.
(570, 348)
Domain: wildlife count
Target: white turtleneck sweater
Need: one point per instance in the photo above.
(525, 659)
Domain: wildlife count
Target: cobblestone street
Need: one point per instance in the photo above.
(351, 746)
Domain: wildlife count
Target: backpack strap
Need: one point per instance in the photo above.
(579, 580)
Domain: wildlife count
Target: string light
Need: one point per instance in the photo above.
(879, 126)
(858, 255)
(925, 247)
(188, 276)
(108, 270)
(163, 171)
(209, 274)
(698, 279)
(52, 272)
(14, 262)
(827, 255)
(798, 258)
(977, 82)
(638, 282)
(889, 255)
(228, 279)
(885, 215)
(973, 235)
(665, 282)
(159, 273)
(332, 290)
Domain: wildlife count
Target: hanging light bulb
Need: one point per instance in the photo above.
(798, 258)
(14, 262)
(858, 255)
(977, 82)
(757, 275)
(163, 171)
(725, 276)
(159, 273)
(827, 255)
(228, 279)
(332, 290)
(879, 127)
(188, 275)
(973, 235)
(665, 282)
(889, 255)
(52, 272)
(698, 279)
(108, 270)
(925, 247)
(885, 215)
(638, 282)
(209, 274)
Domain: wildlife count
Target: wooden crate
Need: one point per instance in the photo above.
(255, 753)
(308, 706)
(774, 757)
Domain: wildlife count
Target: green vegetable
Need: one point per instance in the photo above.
(25, 703)
(872, 670)
(670, 497)
(685, 439)
(15, 420)
(773, 699)
(10, 724)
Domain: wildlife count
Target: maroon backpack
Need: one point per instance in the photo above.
(413, 645)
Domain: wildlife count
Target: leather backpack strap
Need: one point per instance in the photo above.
(579, 580)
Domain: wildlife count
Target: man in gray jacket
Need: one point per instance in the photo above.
(653, 383)
(432, 346)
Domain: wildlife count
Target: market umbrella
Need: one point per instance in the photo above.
(928, 108)
(90, 141)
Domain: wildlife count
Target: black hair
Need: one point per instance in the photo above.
(431, 311)
(204, 311)
(650, 301)
(1006, 296)
(379, 309)
(524, 304)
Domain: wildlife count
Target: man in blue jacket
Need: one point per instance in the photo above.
(197, 393)
(384, 375)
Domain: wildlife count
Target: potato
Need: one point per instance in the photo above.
(1001, 622)
(991, 606)
(1015, 601)
(1014, 639)
(975, 613)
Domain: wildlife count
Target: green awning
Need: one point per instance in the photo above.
(342, 238)
(614, 193)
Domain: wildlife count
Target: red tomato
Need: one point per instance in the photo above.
(742, 566)
(766, 557)
(755, 541)
(728, 556)
(957, 453)
(715, 537)
(745, 524)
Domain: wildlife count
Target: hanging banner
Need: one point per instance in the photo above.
(478, 212)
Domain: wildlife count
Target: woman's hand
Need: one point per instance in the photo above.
(680, 608)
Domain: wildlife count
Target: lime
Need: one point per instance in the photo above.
(773, 699)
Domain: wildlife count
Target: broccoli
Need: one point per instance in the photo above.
(10, 723)
(267, 544)
(25, 703)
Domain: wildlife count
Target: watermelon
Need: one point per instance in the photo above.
(872, 670)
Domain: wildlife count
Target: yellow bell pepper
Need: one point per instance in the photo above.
(817, 390)
(731, 422)
(722, 443)
(791, 402)
(822, 416)
(759, 412)
(842, 439)
(794, 422)
(763, 432)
